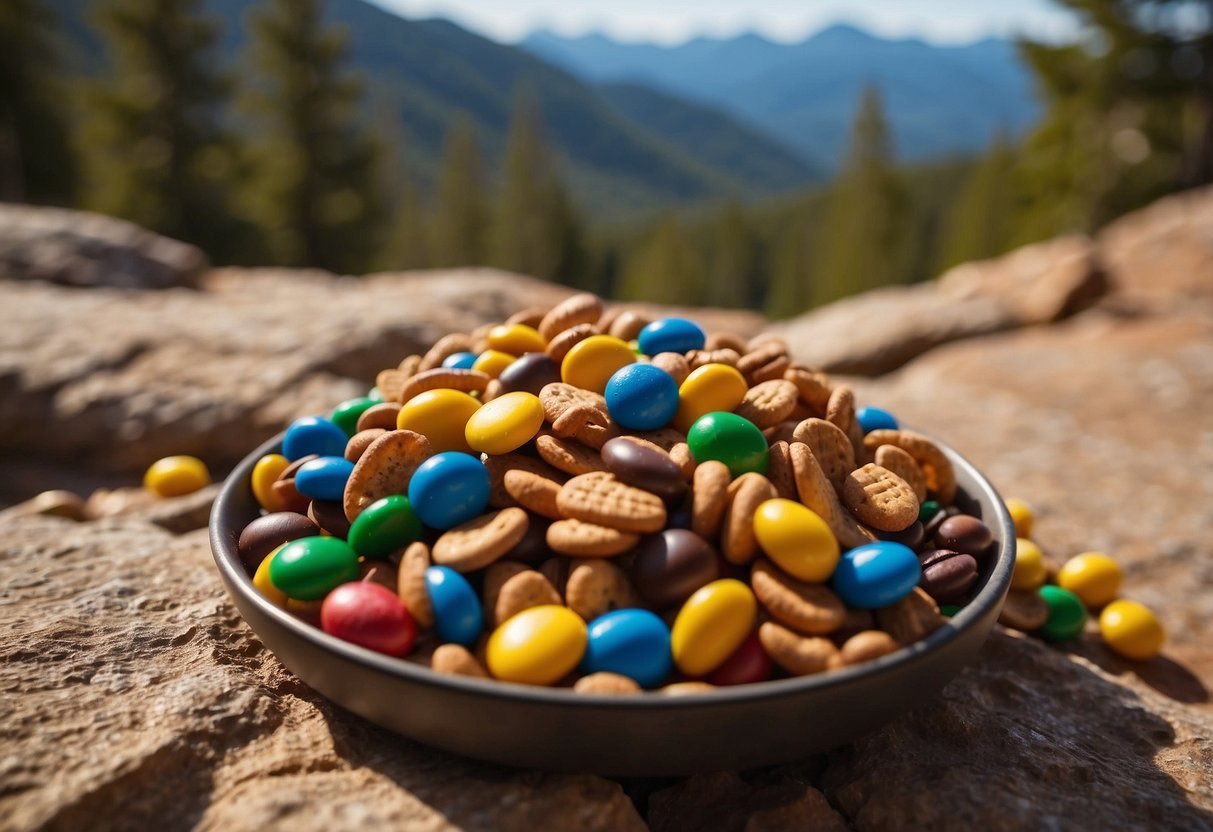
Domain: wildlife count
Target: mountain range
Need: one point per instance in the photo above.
(938, 99)
(639, 127)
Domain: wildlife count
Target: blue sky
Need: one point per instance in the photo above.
(937, 21)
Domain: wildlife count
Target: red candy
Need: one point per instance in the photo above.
(750, 663)
(369, 615)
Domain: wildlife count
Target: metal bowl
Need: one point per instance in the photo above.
(643, 735)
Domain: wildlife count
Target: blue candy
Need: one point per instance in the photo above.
(457, 615)
(448, 489)
(631, 642)
(459, 361)
(313, 435)
(671, 335)
(642, 397)
(876, 574)
(873, 418)
(324, 478)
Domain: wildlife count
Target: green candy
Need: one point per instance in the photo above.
(375, 395)
(384, 525)
(731, 439)
(1067, 615)
(346, 414)
(308, 568)
(950, 610)
(928, 509)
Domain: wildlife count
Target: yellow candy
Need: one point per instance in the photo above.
(592, 362)
(1029, 565)
(1021, 516)
(505, 424)
(261, 580)
(265, 474)
(707, 389)
(516, 339)
(441, 416)
(711, 625)
(176, 475)
(1092, 576)
(538, 646)
(492, 362)
(1131, 630)
(797, 539)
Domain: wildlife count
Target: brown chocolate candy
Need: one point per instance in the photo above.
(964, 533)
(911, 536)
(670, 566)
(267, 533)
(529, 373)
(644, 467)
(330, 516)
(947, 576)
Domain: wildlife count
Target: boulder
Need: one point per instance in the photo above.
(86, 250)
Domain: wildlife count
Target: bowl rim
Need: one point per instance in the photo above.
(992, 592)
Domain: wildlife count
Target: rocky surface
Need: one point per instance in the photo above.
(134, 696)
(76, 248)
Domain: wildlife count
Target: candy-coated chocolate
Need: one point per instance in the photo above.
(1131, 629)
(375, 395)
(345, 415)
(530, 373)
(265, 474)
(459, 361)
(308, 568)
(927, 510)
(1030, 569)
(670, 335)
(384, 525)
(441, 416)
(261, 580)
(711, 625)
(708, 388)
(174, 476)
(592, 362)
(964, 533)
(947, 576)
(369, 615)
(515, 339)
(668, 568)
(329, 515)
(731, 439)
(1067, 615)
(324, 478)
(1021, 516)
(313, 435)
(448, 489)
(504, 424)
(538, 646)
(950, 610)
(456, 608)
(874, 418)
(643, 467)
(267, 533)
(492, 362)
(876, 575)
(631, 642)
(641, 397)
(797, 539)
(748, 664)
(1092, 576)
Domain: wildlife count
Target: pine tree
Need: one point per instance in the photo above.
(405, 245)
(790, 289)
(36, 161)
(978, 223)
(665, 269)
(457, 234)
(733, 269)
(156, 150)
(535, 228)
(1129, 114)
(864, 235)
(319, 193)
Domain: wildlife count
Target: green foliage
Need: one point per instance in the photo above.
(863, 245)
(665, 269)
(978, 224)
(155, 148)
(318, 192)
(1129, 115)
(790, 292)
(36, 161)
(734, 266)
(460, 220)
